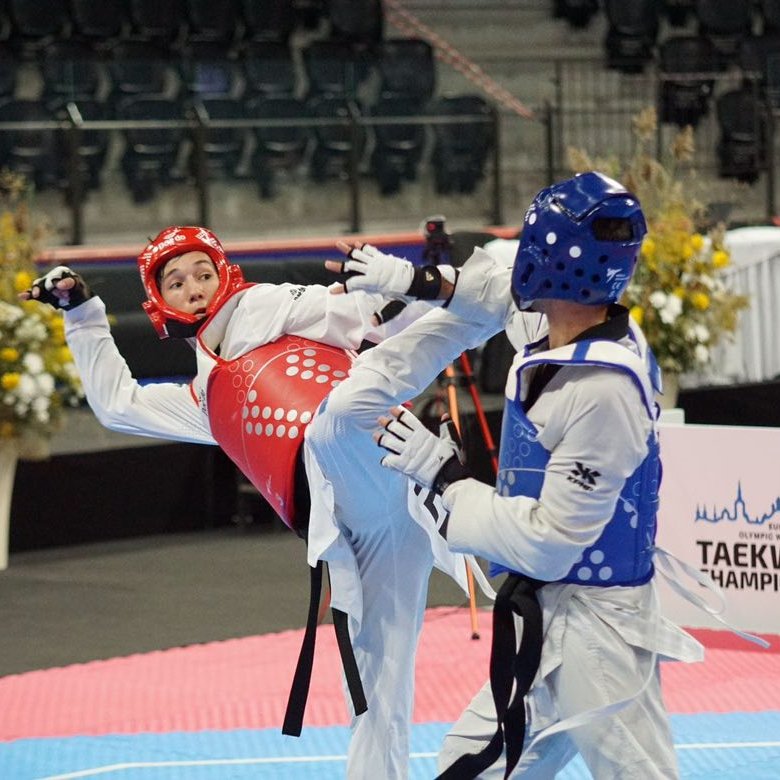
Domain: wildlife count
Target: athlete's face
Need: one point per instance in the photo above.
(189, 282)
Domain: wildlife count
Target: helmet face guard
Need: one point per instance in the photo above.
(580, 242)
(173, 242)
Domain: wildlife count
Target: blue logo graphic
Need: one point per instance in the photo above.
(738, 512)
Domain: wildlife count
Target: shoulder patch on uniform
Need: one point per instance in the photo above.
(583, 475)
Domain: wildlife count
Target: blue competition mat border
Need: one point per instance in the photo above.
(730, 746)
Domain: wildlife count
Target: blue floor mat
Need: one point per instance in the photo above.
(732, 746)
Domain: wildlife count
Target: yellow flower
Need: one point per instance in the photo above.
(720, 258)
(637, 314)
(29, 326)
(679, 257)
(700, 300)
(10, 380)
(22, 281)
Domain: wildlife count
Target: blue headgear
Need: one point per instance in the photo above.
(580, 242)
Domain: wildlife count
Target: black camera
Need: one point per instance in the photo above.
(437, 241)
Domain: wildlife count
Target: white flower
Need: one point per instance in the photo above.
(702, 354)
(27, 389)
(45, 383)
(671, 310)
(33, 362)
(31, 330)
(658, 299)
(702, 333)
(10, 314)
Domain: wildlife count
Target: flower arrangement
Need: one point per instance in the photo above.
(38, 378)
(677, 295)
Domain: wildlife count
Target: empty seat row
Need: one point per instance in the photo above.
(30, 24)
(399, 67)
(161, 139)
(634, 27)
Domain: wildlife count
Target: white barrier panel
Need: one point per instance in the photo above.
(754, 354)
(720, 513)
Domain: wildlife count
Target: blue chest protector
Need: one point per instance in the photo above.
(623, 554)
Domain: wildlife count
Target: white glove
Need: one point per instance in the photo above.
(414, 450)
(60, 287)
(373, 271)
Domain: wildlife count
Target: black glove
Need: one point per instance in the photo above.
(47, 289)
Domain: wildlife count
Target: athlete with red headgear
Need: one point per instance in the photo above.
(268, 356)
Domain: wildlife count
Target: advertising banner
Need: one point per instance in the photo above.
(720, 513)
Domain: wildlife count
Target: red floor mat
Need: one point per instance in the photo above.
(243, 683)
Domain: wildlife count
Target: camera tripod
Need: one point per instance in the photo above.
(437, 250)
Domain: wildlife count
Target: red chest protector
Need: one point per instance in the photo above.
(260, 404)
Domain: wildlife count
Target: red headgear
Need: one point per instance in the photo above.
(170, 243)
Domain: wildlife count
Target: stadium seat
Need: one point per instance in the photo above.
(223, 147)
(216, 21)
(687, 66)
(91, 148)
(268, 20)
(269, 68)
(678, 12)
(70, 70)
(9, 73)
(461, 149)
(335, 145)
(281, 148)
(150, 153)
(631, 35)
(30, 151)
(742, 144)
(398, 148)
(406, 68)
(205, 70)
(151, 20)
(726, 23)
(578, 13)
(138, 69)
(35, 24)
(334, 68)
(99, 23)
(358, 22)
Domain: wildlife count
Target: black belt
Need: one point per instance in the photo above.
(517, 596)
(299, 692)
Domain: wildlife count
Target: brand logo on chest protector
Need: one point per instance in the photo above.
(583, 476)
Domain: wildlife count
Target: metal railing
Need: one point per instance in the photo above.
(197, 124)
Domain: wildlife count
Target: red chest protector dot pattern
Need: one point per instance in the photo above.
(260, 404)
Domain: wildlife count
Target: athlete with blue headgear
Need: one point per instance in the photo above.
(571, 521)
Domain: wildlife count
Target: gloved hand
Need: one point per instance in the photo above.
(369, 269)
(60, 287)
(432, 461)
